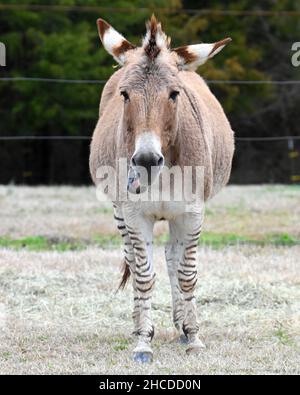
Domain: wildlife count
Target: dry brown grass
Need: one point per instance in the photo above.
(75, 212)
(59, 312)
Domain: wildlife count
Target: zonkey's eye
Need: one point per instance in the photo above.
(173, 95)
(125, 95)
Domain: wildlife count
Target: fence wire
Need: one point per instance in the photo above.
(165, 10)
(32, 137)
(79, 81)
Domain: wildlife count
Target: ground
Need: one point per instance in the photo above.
(60, 259)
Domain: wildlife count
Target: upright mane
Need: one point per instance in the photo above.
(155, 39)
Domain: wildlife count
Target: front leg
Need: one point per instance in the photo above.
(185, 234)
(130, 262)
(140, 230)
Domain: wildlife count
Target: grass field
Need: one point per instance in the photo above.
(60, 260)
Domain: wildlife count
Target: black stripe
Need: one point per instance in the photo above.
(118, 218)
(186, 272)
(187, 280)
(185, 265)
(189, 258)
(133, 238)
(131, 232)
(145, 290)
(144, 282)
(184, 281)
(142, 275)
(149, 333)
(144, 270)
(194, 239)
(179, 289)
(196, 233)
(189, 330)
(178, 314)
(141, 257)
(139, 248)
(129, 260)
(128, 252)
(189, 298)
(190, 288)
(190, 247)
(139, 265)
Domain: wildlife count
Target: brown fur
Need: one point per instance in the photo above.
(102, 27)
(184, 53)
(220, 44)
(125, 276)
(125, 46)
(152, 49)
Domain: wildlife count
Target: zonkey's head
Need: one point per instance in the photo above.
(150, 89)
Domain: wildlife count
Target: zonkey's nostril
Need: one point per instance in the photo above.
(133, 161)
(160, 161)
(147, 160)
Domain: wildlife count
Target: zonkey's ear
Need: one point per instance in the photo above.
(192, 56)
(114, 43)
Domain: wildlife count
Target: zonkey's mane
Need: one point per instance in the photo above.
(155, 39)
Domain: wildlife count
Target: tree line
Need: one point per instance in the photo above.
(63, 43)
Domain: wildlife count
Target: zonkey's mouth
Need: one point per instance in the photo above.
(138, 181)
(133, 184)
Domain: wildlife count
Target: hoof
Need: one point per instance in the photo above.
(183, 339)
(196, 347)
(144, 357)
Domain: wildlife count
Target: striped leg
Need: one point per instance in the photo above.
(171, 252)
(141, 236)
(187, 229)
(130, 261)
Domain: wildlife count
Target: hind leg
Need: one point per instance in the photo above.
(129, 259)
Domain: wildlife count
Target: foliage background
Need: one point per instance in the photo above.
(65, 44)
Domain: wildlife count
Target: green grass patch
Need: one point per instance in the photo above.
(219, 240)
(283, 239)
(283, 337)
(107, 241)
(41, 243)
(120, 344)
(281, 188)
(103, 210)
(37, 243)
(210, 239)
(216, 240)
(6, 355)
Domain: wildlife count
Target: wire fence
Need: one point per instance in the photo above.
(32, 137)
(57, 159)
(170, 10)
(292, 156)
(87, 81)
